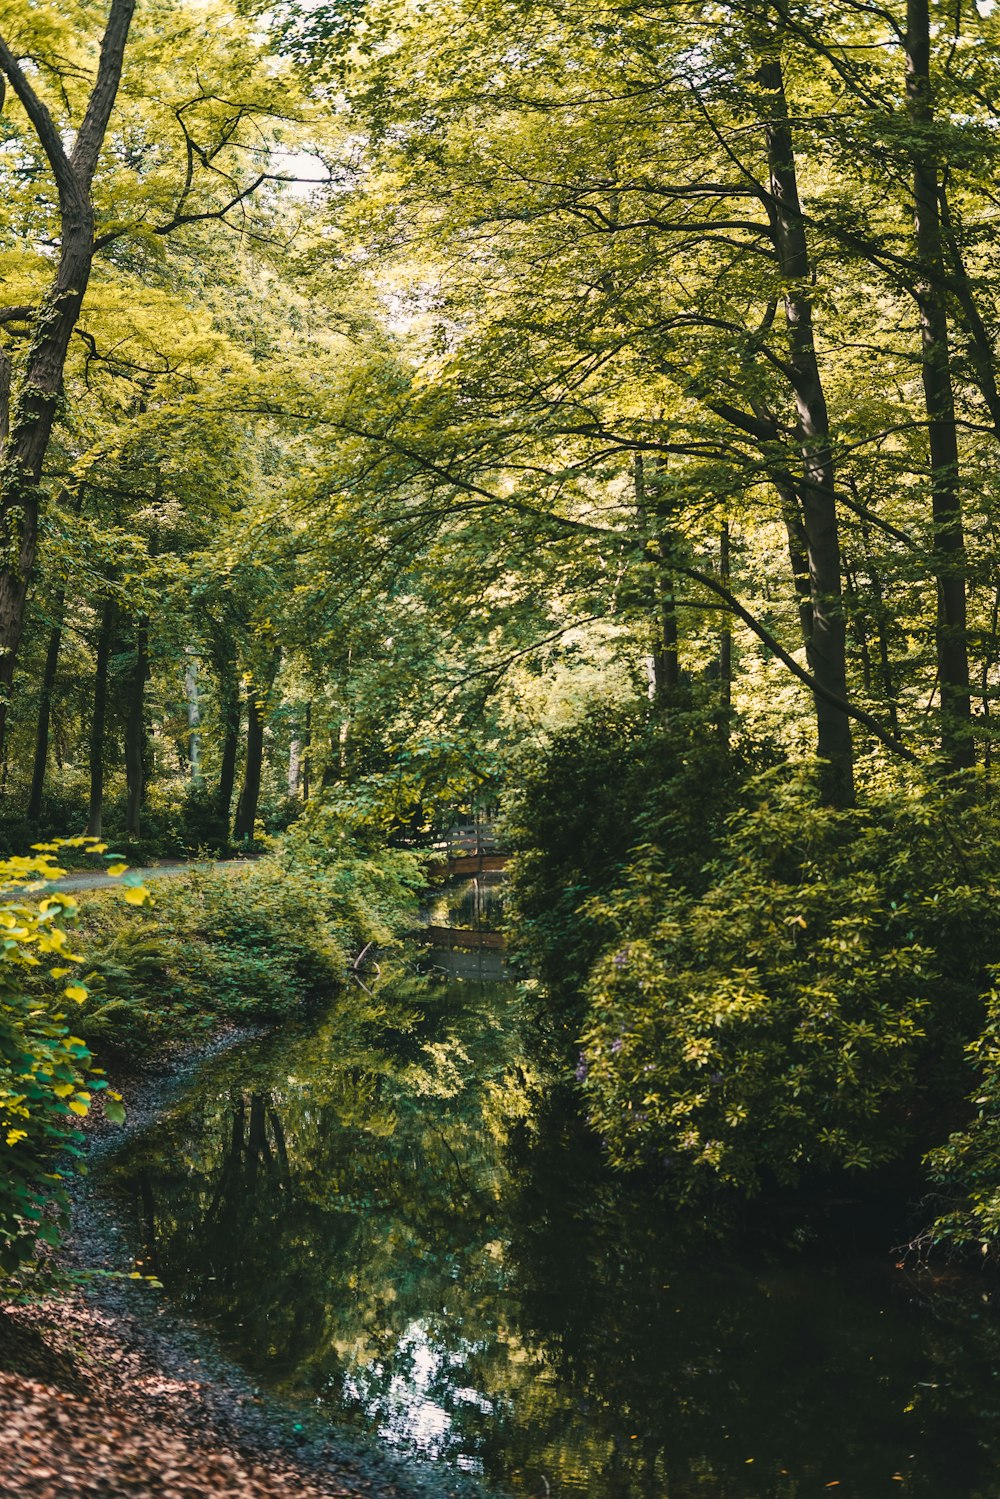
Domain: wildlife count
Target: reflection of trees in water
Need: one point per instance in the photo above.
(256, 1157)
(216, 1222)
(349, 1210)
(816, 1370)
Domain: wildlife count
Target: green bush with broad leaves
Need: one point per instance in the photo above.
(965, 1170)
(48, 1078)
(754, 990)
(598, 788)
(808, 1011)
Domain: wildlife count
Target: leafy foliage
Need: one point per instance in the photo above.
(234, 946)
(47, 1074)
(805, 1013)
(965, 1170)
(600, 786)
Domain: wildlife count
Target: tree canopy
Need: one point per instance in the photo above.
(392, 396)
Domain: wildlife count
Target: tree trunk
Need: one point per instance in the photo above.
(295, 767)
(827, 643)
(45, 711)
(725, 641)
(990, 650)
(135, 732)
(666, 660)
(192, 697)
(246, 809)
(98, 719)
(663, 663)
(224, 657)
(798, 556)
(306, 752)
(37, 390)
(957, 743)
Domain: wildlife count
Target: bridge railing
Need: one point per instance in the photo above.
(461, 841)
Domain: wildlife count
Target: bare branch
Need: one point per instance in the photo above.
(180, 219)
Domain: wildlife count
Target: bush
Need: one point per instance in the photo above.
(807, 1011)
(47, 1075)
(965, 1171)
(242, 943)
(599, 788)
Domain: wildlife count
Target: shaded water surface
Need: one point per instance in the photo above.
(376, 1221)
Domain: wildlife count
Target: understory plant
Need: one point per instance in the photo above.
(616, 779)
(238, 944)
(807, 1012)
(756, 991)
(965, 1170)
(48, 1077)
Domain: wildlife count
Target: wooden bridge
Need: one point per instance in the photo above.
(470, 864)
(469, 851)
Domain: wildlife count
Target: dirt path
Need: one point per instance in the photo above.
(95, 879)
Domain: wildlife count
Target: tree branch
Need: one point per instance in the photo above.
(90, 136)
(763, 633)
(42, 123)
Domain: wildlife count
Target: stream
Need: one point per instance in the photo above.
(381, 1222)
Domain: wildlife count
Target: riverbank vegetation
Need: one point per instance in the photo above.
(397, 419)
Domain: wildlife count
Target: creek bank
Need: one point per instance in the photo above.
(106, 1390)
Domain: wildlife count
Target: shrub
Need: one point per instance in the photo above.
(807, 1011)
(47, 1075)
(965, 1171)
(248, 943)
(596, 790)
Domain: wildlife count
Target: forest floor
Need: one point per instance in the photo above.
(88, 1412)
(107, 1391)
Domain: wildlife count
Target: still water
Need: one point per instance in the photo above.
(379, 1221)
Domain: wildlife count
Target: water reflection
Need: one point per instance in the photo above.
(378, 1217)
(475, 903)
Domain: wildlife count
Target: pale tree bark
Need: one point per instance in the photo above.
(98, 718)
(37, 388)
(295, 768)
(192, 698)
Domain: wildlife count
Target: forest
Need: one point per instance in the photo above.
(584, 416)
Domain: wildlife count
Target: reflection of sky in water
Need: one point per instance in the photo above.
(373, 1216)
(407, 1413)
